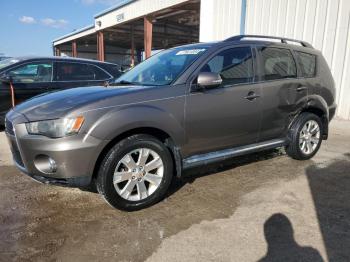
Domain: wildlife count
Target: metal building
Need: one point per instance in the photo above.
(122, 33)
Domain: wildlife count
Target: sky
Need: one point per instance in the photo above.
(28, 27)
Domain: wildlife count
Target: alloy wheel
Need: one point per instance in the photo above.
(138, 174)
(309, 137)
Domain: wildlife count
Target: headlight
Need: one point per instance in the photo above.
(56, 128)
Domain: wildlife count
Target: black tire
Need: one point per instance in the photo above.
(293, 148)
(104, 181)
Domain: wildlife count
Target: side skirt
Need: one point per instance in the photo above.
(212, 157)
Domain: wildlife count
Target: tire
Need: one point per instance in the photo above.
(121, 159)
(299, 136)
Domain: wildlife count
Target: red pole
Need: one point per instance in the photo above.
(100, 46)
(132, 47)
(148, 28)
(74, 49)
(12, 94)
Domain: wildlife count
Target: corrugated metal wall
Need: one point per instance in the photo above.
(323, 23)
(220, 19)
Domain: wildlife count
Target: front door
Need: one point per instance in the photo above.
(227, 116)
(30, 80)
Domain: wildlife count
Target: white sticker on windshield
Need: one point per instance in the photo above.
(190, 52)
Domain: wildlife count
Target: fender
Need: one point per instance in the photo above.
(123, 119)
(318, 102)
(315, 103)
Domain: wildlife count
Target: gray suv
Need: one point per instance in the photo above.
(183, 107)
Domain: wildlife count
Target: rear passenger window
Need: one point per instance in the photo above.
(307, 64)
(79, 72)
(234, 65)
(277, 63)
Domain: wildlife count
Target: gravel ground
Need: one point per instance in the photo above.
(263, 206)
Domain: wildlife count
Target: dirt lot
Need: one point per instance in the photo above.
(262, 207)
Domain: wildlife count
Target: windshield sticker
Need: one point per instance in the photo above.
(190, 52)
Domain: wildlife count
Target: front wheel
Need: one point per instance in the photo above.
(135, 173)
(306, 137)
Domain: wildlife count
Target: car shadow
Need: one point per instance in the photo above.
(279, 235)
(330, 188)
(190, 175)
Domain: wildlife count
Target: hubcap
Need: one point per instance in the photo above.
(138, 174)
(309, 137)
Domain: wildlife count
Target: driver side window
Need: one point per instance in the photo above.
(235, 66)
(32, 73)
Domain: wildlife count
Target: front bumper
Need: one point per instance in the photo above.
(74, 156)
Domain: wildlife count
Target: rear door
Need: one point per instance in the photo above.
(226, 116)
(283, 93)
(74, 74)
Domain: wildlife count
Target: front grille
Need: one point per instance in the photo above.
(15, 153)
(9, 127)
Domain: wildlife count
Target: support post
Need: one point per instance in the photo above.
(100, 46)
(148, 28)
(74, 49)
(132, 47)
(57, 51)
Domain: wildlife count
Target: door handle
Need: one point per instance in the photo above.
(301, 88)
(251, 96)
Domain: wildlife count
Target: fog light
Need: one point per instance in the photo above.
(45, 164)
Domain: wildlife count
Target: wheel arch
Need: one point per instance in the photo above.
(318, 106)
(160, 134)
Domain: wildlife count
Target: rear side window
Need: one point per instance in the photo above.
(307, 64)
(278, 63)
(234, 65)
(114, 70)
(79, 72)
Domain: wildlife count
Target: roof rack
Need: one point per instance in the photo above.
(283, 39)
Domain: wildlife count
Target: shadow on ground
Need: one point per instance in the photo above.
(40, 222)
(281, 245)
(330, 188)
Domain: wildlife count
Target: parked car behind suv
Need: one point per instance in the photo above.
(184, 107)
(31, 76)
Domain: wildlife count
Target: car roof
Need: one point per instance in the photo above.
(61, 58)
(257, 40)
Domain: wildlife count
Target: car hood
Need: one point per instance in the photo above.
(58, 104)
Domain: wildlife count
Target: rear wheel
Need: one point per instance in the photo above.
(135, 173)
(306, 137)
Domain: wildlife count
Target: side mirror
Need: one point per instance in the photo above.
(207, 80)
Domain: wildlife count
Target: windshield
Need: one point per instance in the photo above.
(162, 68)
(8, 62)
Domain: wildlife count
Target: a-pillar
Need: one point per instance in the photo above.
(100, 46)
(148, 28)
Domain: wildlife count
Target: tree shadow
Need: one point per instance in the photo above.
(279, 235)
(330, 188)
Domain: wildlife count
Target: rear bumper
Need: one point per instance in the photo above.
(74, 157)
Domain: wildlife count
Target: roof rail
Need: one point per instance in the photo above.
(283, 39)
